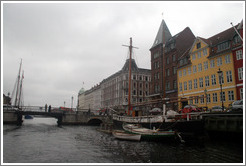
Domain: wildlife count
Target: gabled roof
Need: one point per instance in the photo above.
(159, 37)
(134, 66)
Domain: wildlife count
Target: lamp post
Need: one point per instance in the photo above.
(72, 103)
(220, 81)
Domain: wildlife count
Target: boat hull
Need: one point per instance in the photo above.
(119, 134)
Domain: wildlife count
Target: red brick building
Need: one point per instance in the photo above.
(237, 51)
(164, 63)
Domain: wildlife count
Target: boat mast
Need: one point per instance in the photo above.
(18, 83)
(21, 89)
(130, 73)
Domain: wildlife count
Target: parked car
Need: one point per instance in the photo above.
(216, 109)
(237, 105)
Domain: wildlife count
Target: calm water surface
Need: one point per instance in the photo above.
(39, 140)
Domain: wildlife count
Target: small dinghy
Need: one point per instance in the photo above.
(120, 134)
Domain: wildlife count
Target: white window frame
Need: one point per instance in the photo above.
(227, 59)
(215, 98)
(213, 79)
(199, 67)
(201, 82)
(219, 61)
(205, 65)
(229, 76)
(205, 52)
(199, 54)
(231, 95)
(207, 81)
(194, 69)
(240, 73)
(190, 84)
(185, 86)
(208, 99)
(195, 83)
(212, 63)
(239, 54)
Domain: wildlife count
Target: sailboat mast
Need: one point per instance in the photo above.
(18, 83)
(21, 89)
(130, 74)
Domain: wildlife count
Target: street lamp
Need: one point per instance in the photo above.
(220, 81)
(72, 103)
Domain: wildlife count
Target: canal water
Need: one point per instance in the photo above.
(39, 140)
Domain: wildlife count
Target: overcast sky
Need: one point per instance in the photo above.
(63, 45)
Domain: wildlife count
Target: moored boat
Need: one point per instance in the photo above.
(123, 135)
(148, 134)
(28, 117)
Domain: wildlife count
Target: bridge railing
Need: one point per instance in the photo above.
(42, 108)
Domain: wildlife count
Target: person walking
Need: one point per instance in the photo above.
(49, 108)
(46, 107)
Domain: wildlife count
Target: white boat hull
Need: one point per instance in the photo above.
(126, 136)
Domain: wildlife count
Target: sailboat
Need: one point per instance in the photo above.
(17, 95)
(130, 117)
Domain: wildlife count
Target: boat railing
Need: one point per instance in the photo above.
(139, 119)
(158, 118)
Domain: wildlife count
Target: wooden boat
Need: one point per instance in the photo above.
(148, 134)
(120, 134)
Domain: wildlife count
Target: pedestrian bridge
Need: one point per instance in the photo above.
(72, 118)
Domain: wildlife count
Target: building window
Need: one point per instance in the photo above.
(189, 70)
(202, 99)
(194, 69)
(219, 61)
(205, 52)
(199, 54)
(227, 59)
(236, 39)
(174, 70)
(208, 98)
(191, 101)
(185, 85)
(195, 83)
(223, 46)
(229, 76)
(241, 93)
(213, 79)
(212, 63)
(221, 79)
(231, 95)
(180, 73)
(193, 56)
(190, 85)
(199, 67)
(240, 73)
(198, 45)
(205, 64)
(167, 72)
(239, 54)
(200, 82)
(196, 100)
(174, 84)
(206, 81)
(223, 96)
(156, 55)
(215, 97)
(168, 85)
(167, 60)
(174, 58)
(180, 87)
(184, 72)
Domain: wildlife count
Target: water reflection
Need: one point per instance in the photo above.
(40, 141)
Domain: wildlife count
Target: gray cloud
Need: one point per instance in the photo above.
(65, 44)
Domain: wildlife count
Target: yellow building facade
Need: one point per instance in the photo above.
(198, 77)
